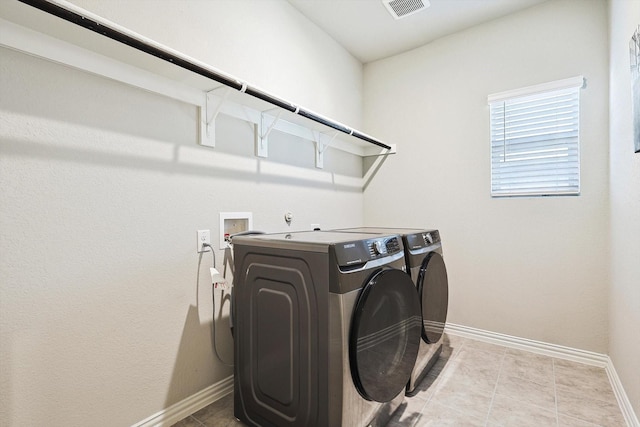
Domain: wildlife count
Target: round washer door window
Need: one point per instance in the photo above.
(385, 335)
(433, 287)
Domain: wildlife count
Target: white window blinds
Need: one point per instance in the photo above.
(535, 140)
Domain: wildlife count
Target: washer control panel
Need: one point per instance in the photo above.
(384, 246)
(359, 252)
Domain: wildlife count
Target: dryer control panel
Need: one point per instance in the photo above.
(423, 240)
(361, 251)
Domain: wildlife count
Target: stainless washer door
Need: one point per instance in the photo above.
(385, 335)
(433, 287)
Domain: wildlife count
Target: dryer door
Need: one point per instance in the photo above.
(433, 287)
(385, 335)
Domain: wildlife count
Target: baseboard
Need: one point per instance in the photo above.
(557, 351)
(188, 406)
(623, 400)
(552, 350)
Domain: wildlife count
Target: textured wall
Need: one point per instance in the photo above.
(105, 309)
(624, 306)
(531, 267)
(265, 42)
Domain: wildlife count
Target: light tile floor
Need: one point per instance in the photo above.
(479, 384)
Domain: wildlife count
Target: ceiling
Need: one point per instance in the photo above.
(369, 32)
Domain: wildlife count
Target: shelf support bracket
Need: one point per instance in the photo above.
(321, 146)
(266, 125)
(212, 105)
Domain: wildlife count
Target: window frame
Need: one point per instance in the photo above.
(518, 95)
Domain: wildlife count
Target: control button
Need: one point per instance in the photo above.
(392, 245)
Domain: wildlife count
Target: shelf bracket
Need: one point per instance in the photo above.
(266, 125)
(213, 102)
(321, 146)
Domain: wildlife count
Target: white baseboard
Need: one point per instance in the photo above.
(552, 350)
(623, 400)
(188, 406)
(557, 351)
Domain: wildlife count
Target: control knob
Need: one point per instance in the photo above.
(378, 247)
(428, 239)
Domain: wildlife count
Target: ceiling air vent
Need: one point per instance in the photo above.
(403, 8)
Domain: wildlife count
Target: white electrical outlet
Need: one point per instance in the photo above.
(204, 236)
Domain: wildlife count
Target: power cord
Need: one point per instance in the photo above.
(213, 298)
(213, 254)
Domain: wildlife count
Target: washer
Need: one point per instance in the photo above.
(327, 328)
(423, 252)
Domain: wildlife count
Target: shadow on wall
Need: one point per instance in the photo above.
(161, 133)
(187, 160)
(194, 360)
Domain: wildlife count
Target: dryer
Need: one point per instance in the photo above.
(425, 264)
(327, 328)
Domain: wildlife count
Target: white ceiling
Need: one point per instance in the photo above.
(369, 32)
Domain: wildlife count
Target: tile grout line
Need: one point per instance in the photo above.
(449, 406)
(197, 420)
(415, 422)
(597, 398)
(428, 400)
(486, 420)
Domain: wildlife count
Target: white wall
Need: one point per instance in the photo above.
(530, 267)
(105, 314)
(624, 305)
(105, 309)
(265, 42)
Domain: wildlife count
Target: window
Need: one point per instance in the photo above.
(535, 140)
